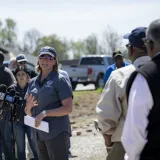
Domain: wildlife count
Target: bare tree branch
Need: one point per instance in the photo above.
(111, 40)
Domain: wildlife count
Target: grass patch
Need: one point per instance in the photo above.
(77, 93)
(76, 103)
(84, 105)
(99, 90)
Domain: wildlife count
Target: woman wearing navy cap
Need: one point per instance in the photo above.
(49, 98)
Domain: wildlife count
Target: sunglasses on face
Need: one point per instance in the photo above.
(22, 62)
(48, 58)
(128, 45)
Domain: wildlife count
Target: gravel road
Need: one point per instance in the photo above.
(88, 146)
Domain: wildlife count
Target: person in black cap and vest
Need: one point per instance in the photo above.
(112, 106)
(50, 99)
(141, 132)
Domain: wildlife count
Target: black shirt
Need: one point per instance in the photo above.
(6, 76)
(32, 74)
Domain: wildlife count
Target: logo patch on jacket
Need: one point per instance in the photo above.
(34, 90)
(49, 84)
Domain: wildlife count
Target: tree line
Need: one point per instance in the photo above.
(33, 40)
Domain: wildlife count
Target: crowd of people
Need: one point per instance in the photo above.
(129, 107)
(127, 111)
(47, 95)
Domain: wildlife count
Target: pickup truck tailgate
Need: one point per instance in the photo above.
(77, 71)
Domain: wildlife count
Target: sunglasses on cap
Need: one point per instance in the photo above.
(48, 58)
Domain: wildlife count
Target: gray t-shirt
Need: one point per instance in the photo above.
(6, 76)
(49, 95)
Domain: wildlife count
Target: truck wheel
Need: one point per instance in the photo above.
(74, 86)
(100, 82)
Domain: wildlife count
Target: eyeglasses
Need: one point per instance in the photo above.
(128, 45)
(146, 41)
(48, 58)
(22, 62)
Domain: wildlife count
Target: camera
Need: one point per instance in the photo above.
(12, 104)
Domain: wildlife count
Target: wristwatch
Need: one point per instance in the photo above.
(44, 113)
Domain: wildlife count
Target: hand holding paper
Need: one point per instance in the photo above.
(30, 121)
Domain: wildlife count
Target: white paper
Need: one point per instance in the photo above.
(30, 121)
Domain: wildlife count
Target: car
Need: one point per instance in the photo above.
(30, 66)
(90, 69)
(6, 63)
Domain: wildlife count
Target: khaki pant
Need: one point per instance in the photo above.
(117, 152)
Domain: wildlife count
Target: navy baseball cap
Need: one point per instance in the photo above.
(47, 50)
(21, 58)
(136, 36)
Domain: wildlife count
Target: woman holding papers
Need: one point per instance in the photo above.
(49, 98)
(20, 129)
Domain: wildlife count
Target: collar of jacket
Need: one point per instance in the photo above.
(141, 61)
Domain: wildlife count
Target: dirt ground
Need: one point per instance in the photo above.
(84, 105)
(88, 146)
(86, 142)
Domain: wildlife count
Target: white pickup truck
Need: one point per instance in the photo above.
(91, 69)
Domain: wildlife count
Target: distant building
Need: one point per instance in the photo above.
(11, 53)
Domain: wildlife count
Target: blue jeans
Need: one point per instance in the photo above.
(20, 130)
(5, 128)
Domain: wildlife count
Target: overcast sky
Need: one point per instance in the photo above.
(78, 18)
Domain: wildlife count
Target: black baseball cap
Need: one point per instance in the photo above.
(136, 37)
(21, 69)
(117, 53)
